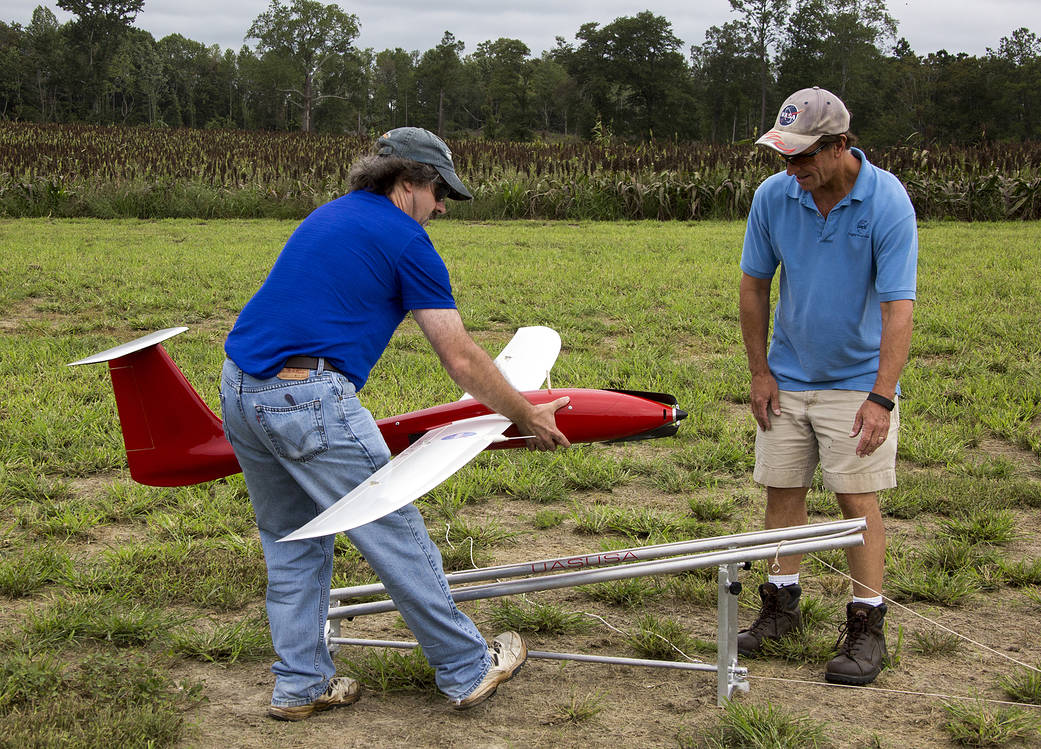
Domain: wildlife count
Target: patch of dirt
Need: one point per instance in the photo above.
(638, 706)
(16, 316)
(997, 448)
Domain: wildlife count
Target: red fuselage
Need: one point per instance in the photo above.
(591, 416)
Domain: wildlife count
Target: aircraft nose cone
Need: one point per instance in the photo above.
(680, 414)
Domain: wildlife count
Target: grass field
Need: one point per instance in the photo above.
(133, 616)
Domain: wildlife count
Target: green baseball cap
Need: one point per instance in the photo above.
(423, 146)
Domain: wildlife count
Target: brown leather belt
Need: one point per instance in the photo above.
(299, 367)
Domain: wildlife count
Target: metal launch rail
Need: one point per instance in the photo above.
(729, 553)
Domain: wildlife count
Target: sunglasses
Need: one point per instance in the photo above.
(801, 156)
(441, 190)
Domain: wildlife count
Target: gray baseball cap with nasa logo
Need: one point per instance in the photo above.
(804, 117)
(423, 146)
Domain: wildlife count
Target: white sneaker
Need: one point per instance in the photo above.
(508, 654)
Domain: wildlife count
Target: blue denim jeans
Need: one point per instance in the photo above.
(302, 445)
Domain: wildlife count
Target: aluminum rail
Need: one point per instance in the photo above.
(545, 655)
(636, 569)
(600, 558)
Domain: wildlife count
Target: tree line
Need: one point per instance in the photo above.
(629, 79)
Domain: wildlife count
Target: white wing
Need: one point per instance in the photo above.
(416, 470)
(528, 357)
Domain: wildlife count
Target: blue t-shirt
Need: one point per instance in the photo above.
(834, 274)
(339, 289)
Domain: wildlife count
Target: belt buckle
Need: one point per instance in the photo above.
(294, 373)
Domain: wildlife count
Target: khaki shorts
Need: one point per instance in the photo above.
(814, 428)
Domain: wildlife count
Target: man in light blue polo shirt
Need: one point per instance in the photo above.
(844, 236)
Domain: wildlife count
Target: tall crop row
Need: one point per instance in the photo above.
(81, 170)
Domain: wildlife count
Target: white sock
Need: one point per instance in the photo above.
(782, 580)
(873, 601)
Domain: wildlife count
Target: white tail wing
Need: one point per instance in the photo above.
(528, 357)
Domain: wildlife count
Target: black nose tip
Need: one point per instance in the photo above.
(680, 414)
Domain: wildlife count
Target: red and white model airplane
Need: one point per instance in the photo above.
(172, 437)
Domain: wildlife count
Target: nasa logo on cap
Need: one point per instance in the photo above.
(788, 115)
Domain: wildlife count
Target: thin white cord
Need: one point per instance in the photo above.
(626, 634)
(448, 527)
(894, 691)
(927, 619)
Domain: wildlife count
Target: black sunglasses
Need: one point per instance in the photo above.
(800, 156)
(441, 190)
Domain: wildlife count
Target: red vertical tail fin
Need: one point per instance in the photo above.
(172, 437)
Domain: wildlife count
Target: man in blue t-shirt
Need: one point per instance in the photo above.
(298, 354)
(844, 236)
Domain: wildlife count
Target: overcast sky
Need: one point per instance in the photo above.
(960, 26)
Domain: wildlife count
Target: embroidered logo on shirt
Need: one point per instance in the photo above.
(861, 229)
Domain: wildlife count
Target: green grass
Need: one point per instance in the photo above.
(535, 617)
(32, 569)
(99, 618)
(744, 726)
(391, 670)
(663, 639)
(979, 725)
(579, 708)
(104, 700)
(628, 593)
(246, 639)
(545, 519)
(94, 566)
(1023, 685)
(935, 642)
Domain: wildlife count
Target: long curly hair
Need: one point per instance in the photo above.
(379, 174)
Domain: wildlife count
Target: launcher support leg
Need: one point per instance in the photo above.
(729, 676)
(333, 629)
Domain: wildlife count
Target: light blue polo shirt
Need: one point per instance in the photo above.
(834, 274)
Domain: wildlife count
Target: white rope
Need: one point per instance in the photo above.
(626, 634)
(448, 528)
(927, 619)
(895, 691)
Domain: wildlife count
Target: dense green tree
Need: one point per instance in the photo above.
(45, 50)
(96, 36)
(133, 71)
(394, 88)
(839, 45)
(185, 63)
(553, 93)
(727, 74)
(835, 44)
(262, 105)
(1016, 67)
(438, 78)
(12, 64)
(762, 23)
(633, 73)
(504, 73)
(352, 111)
(310, 39)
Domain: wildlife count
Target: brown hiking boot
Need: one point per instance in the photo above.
(779, 615)
(863, 653)
(341, 691)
